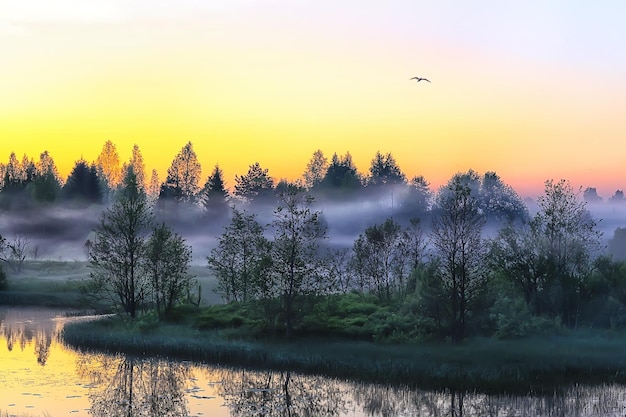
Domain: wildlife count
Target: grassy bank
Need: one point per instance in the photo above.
(57, 284)
(489, 365)
(46, 283)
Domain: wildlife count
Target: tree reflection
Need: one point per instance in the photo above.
(42, 346)
(273, 394)
(136, 387)
(26, 327)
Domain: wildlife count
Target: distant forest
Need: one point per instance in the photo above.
(465, 255)
(29, 182)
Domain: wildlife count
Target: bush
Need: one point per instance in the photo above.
(513, 319)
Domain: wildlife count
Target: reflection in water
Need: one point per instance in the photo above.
(40, 376)
(27, 326)
(269, 394)
(139, 387)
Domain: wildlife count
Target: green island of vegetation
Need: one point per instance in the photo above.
(459, 289)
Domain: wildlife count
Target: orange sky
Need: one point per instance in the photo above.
(532, 90)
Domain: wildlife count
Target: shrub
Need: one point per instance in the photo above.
(513, 319)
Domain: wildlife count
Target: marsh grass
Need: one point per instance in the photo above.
(46, 283)
(538, 364)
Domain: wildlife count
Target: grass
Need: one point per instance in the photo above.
(57, 284)
(46, 283)
(537, 364)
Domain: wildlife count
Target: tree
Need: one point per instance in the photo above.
(459, 250)
(617, 244)
(82, 184)
(418, 197)
(3, 170)
(108, 165)
(183, 176)
(617, 197)
(154, 187)
(47, 183)
(29, 170)
(13, 253)
(214, 195)
(118, 250)
(550, 258)
(385, 171)
(499, 201)
(341, 174)
(255, 185)
(315, 170)
(297, 234)
(139, 168)
(570, 240)
(167, 264)
(240, 259)
(378, 258)
(14, 176)
(590, 195)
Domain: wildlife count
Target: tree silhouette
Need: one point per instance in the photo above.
(183, 176)
(456, 236)
(255, 185)
(214, 195)
(14, 176)
(298, 232)
(116, 257)
(167, 265)
(154, 187)
(590, 195)
(138, 166)
(47, 183)
(341, 174)
(108, 165)
(385, 171)
(499, 201)
(240, 258)
(617, 197)
(83, 185)
(417, 197)
(315, 170)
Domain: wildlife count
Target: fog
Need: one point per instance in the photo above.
(60, 232)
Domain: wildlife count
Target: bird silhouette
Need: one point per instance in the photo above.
(419, 79)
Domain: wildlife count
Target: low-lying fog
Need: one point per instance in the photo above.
(60, 233)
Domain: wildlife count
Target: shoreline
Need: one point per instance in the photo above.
(538, 364)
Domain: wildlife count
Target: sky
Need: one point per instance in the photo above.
(532, 90)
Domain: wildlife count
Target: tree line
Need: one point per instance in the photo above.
(28, 182)
(432, 255)
(534, 271)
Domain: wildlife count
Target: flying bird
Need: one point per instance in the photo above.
(419, 79)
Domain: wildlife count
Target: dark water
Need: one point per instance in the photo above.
(39, 376)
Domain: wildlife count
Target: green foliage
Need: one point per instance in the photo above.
(225, 316)
(167, 258)
(513, 319)
(148, 322)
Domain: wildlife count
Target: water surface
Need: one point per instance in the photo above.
(39, 376)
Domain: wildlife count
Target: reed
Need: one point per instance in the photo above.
(488, 365)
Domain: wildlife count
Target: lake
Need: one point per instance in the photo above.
(40, 376)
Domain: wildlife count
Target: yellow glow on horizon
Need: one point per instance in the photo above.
(242, 90)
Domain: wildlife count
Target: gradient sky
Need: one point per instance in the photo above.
(530, 89)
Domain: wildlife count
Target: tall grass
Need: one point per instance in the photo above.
(487, 365)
